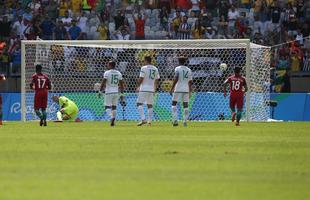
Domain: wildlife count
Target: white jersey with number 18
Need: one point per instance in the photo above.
(112, 77)
(184, 75)
(149, 73)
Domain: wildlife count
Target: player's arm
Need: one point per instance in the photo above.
(49, 85)
(140, 80)
(245, 86)
(32, 83)
(102, 87)
(226, 82)
(156, 82)
(175, 80)
(190, 86)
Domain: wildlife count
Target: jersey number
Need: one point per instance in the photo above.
(185, 75)
(152, 74)
(114, 79)
(41, 83)
(235, 85)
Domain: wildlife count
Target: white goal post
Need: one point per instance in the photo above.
(74, 67)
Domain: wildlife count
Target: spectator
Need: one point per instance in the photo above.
(18, 27)
(63, 8)
(5, 27)
(223, 6)
(184, 29)
(51, 10)
(27, 15)
(198, 30)
(139, 22)
(16, 60)
(60, 32)
(286, 87)
(119, 19)
(210, 33)
(35, 6)
(76, 6)
(123, 33)
(4, 61)
(47, 27)
(176, 23)
(223, 27)
(283, 63)
(233, 16)
(295, 62)
(67, 20)
(103, 31)
(164, 17)
(82, 23)
(183, 5)
(75, 32)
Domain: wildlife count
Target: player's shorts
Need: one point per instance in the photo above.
(180, 97)
(236, 101)
(146, 97)
(111, 99)
(72, 111)
(40, 100)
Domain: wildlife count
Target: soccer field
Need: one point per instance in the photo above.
(90, 160)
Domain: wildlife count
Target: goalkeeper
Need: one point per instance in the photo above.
(68, 109)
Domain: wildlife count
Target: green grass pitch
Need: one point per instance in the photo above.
(91, 161)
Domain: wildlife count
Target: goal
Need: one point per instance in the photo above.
(74, 67)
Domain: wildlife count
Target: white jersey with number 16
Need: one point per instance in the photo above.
(149, 73)
(184, 75)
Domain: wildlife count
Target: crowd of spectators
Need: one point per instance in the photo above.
(265, 22)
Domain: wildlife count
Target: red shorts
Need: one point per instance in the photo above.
(40, 100)
(236, 101)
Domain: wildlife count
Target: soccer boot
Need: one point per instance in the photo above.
(44, 123)
(237, 124)
(175, 123)
(233, 117)
(112, 122)
(185, 124)
(141, 123)
(41, 122)
(149, 123)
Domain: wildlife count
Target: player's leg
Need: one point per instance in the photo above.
(175, 99)
(232, 105)
(43, 108)
(37, 106)
(239, 109)
(44, 115)
(140, 101)
(113, 114)
(185, 106)
(1, 113)
(150, 102)
(108, 105)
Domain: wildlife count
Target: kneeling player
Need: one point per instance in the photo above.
(238, 87)
(2, 78)
(181, 89)
(112, 79)
(41, 84)
(69, 110)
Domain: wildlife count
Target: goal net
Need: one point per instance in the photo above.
(74, 67)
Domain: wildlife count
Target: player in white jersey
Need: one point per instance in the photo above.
(112, 84)
(147, 85)
(181, 89)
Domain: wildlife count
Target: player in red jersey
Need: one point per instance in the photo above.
(238, 87)
(41, 84)
(2, 78)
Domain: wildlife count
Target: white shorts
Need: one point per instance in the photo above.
(146, 97)
(111, 99)
(180, 97)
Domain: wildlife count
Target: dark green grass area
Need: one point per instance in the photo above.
(90, 160)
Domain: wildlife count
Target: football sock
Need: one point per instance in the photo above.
(141, 112)
(113, 114)
(186, 114)
(109, 112)
(44, 114)
(150, 113)
(239, 116)
(233, 110)
(0, 113)
(39, 114)
(59, 116)
(174, 113)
